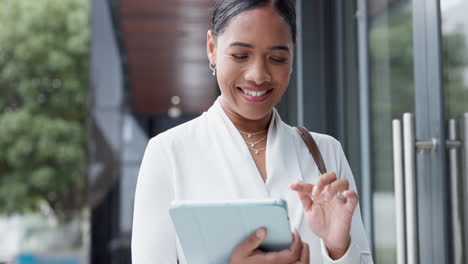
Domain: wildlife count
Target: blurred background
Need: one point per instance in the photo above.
(84, 84)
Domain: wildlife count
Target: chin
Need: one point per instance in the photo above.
(253, 114)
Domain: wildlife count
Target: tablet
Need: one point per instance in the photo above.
(208, 231)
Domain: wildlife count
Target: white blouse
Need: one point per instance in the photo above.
(207, 159)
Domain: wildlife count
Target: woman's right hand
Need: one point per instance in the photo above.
(247, 252)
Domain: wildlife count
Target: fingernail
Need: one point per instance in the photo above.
(261, 233)
(328, 196)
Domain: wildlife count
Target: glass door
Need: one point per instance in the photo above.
(429, 163)
(391, 93)
(454, 30)
(417, 56)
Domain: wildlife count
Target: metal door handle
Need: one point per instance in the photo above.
(405, 188)
(464, 182)
(455, 193)
(399, 192)
(410, 187)
(405, 197)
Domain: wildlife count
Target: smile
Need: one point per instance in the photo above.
(255, 96)
(253, 93)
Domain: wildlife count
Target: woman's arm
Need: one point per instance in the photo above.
(359, 247)
(153, 235)
(336, 220)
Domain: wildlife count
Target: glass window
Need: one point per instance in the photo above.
(391, 94)
(455, 56)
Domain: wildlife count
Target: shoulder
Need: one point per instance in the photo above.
(326, 143)
(330, 148)
(333, 155)
(331, 151)
(163, 149)
(180, 134)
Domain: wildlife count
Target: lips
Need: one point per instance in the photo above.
(254, 95)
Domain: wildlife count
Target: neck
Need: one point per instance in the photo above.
(244, 124)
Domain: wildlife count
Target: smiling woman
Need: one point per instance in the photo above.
(241, 149)
(253, 64)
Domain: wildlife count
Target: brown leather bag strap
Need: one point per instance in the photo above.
(313, 148)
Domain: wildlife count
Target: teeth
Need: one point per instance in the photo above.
(253, 93)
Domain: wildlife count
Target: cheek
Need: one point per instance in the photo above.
(282, 76)
(227, 73)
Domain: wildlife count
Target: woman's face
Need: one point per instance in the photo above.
(253, 58)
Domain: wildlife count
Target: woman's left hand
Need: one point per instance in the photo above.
(329, 208)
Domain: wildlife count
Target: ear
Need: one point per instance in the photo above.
(211, 46)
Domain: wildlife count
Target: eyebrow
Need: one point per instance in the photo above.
(246, 45)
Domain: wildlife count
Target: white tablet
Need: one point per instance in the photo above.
(209, 230)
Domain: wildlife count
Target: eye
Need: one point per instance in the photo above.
(239, 57)
(278, 60)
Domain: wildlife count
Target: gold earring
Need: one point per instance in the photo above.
(213, 68)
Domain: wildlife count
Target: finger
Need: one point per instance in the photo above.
(297, 242)
(352, 199)
(336, 186)
(302, 187)
(306, 200)
(323, 180)
(303, 190)
(296, 249)
(305, 254)
(289, 255)
(246, 247)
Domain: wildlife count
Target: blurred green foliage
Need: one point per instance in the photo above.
(455, 66)
(43, 101)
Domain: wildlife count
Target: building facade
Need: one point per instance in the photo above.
(387, 78)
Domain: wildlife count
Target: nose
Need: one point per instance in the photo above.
(258, 72)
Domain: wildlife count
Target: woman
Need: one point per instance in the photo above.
(240, 149)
